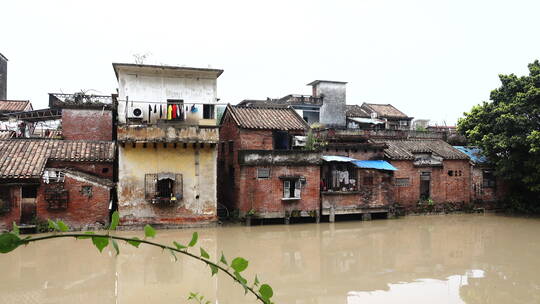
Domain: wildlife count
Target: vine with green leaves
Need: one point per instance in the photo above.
(10, 241)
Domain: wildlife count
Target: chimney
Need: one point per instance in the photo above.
(3, 77)
(333, 93)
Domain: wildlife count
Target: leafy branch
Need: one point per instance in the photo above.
(10, 241)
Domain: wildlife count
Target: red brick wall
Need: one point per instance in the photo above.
(94, 168)
(444, 188)
(82, 210)
(264, 196)
(377, 195)
(7, 219)
(89, 124)
(485, 194)
(232, 191)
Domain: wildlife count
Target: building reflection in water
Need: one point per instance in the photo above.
(431, 259)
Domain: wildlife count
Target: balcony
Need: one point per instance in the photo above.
(175, 113)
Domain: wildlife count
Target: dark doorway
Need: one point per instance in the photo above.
(28, 204)
(425, 185)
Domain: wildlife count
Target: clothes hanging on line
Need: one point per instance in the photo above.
(173, 111)
(169, 112)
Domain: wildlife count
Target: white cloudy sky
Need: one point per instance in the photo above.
(431, 59)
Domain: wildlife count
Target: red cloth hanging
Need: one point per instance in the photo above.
(174, 111)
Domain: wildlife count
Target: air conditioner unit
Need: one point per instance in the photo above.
(373, 115)
(135, 112)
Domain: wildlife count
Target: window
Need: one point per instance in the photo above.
(402, 182)
(291, 189)
(263, 173)
(86, 191)
(56, 196)
(488, 179)
(339, 177)
(281, 140)
(208, 111)
(163, 187)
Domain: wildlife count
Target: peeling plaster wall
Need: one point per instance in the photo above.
(134, 163)
(332, 112)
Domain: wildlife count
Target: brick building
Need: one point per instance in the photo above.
(167, 135)
(355, 178)
(428, 169)
(84, 117)
(55, 179)
(262, 171)
(486, 188)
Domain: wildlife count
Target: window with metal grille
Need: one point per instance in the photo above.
(208, 111)
(263, 173)
(291, 189)
(402, 182)
(163, 186)
(488, 179)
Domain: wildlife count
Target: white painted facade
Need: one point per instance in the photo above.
(141, 85)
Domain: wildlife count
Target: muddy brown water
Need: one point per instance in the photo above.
(417, 259)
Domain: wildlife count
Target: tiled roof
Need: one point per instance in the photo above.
(267, 118)
(6, 134)
(7, 106)
(266, 103)
(405, 149)
(26, 158)
(384, 110)
(356, 111)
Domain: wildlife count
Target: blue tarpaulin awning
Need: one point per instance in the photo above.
(374, 164)
(365, 164)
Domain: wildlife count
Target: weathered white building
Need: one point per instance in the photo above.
(167, 133)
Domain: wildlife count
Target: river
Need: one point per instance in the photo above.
(415, 259)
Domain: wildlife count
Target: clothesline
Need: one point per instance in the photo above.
(166, 102)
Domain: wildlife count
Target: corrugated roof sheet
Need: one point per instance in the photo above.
(7, 106)
(22, 158)
(405, 149)
(336, 158)
(374, 164)
(385, 110)
(267, 118)
(474, 153)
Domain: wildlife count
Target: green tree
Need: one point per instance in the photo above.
(508, 131)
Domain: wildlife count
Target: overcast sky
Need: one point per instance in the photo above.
(431, 59)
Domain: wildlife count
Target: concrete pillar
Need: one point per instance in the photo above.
(366, 216)
(317, 217)
(287, 220)
(332, 217)
(248, 220)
